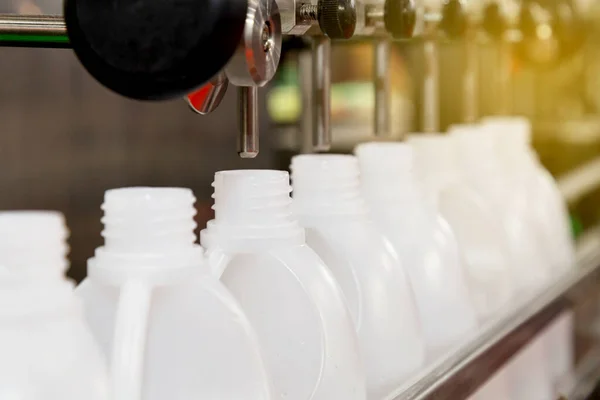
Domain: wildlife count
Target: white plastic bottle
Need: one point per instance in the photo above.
(544, 200)
(549, 216)
(329, 205)
(479, 233)
(257, 248)
(481, 162)
(46, 350)
(423, 240)
(170, 329)
(479, 159)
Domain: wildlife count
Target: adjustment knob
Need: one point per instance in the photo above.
(493, 20)
(400, 18)
(454, 18)
(337, 18)
(154, 49)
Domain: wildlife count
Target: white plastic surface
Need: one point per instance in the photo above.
(527, 176)
(46, 351)
(329, 205)
(292, 300)
(479, 231)
(550, 219)
(171, 330)
(482, 169)
(422, 239)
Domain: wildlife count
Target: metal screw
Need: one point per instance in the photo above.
(266, 37)
(309, 12)
(336, 18)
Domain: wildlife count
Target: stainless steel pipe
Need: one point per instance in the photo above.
(321, 112)
(33, 31)
(431, 94)
(383, 91)
(248, 114)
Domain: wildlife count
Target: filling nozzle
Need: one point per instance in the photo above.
(382, 116)
(305, 65)
(452, 22)
(252, 66)
(393, 19)
(337, 20)
(321, 93)
(248, 121)
(431, 81)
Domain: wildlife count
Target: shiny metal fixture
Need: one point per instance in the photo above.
(248, 121)
(321, 88)
(305, 80)
(257, 57)
(382, 115)
(33, 31)
(208, 98)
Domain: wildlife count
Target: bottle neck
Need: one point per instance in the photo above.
(387, 188)
(33, 260)
(386, 173)
(478, 156)
(253, 209)
(148, 227)
(326, 186)
(33, 244)
(436, 163)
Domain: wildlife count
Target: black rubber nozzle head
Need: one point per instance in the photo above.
(154, 49)
(400, 18)
(337, 18)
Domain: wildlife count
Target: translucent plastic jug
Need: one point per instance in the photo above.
(480, 162)
(480, 234)
(544, 200)
(329, 205)
(550, 216)
(171, 330)
(258, 250)
(422, 239)
(46, 350)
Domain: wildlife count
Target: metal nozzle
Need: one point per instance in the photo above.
(248, 114)
(382, 123)
(321, 94)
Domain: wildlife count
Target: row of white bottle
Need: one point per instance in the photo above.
(374, 269)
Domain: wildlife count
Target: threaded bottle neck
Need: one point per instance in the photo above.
(386, 171)
(148, 220)
(476, 150)
(251, 206)
(326, 185)
(436, 163)
(33, 243)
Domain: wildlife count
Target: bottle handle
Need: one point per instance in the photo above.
(218, 260)
(129, 343)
